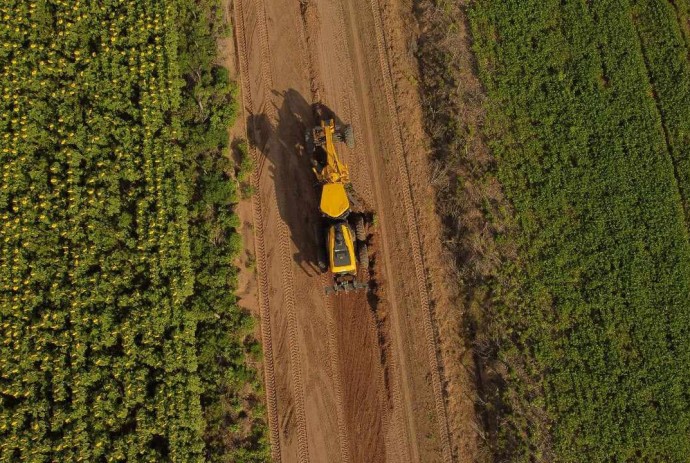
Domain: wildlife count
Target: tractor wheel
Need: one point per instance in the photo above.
(321, 260)
(321, 253)
(309, 142)
(360, 229)
(349, 136)
(363, 252)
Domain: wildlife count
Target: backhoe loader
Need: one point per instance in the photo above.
(343, 234)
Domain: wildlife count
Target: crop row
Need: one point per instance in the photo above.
(98, 360)
(603, 271)
(668, 64)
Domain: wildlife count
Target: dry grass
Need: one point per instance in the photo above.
(477, 217)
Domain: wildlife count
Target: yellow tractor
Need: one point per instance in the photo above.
(344, 230)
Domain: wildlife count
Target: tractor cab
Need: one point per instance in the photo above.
(341, 242)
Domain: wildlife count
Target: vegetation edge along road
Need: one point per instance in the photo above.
(122, 340)
(575, 302)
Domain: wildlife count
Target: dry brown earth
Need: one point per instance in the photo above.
(358, 377)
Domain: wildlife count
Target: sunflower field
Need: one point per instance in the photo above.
(100, 310)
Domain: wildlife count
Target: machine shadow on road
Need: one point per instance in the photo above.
(281, 143)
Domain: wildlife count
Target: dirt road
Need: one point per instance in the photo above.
(352, 378)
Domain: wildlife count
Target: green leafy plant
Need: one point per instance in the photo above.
(585, 124)
(121, 339)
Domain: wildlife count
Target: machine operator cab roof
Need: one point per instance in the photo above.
(342, 258)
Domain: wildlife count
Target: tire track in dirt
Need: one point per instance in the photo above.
(266, 75)
(351, 105)
(308, 15)
(260, 253)
(284, 246)
(404, 439)
(289, 305)
(334, 356)
(310, 18)
(356, 320)
(310, 36)
(405, 435)
(414, 234)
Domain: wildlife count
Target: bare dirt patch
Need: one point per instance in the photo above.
(357, 378)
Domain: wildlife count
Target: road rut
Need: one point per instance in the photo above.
(352, 378)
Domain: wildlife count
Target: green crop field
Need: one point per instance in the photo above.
(665, 51)
(117, 343)
(588, 117)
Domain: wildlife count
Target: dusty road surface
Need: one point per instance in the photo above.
(356, 377)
